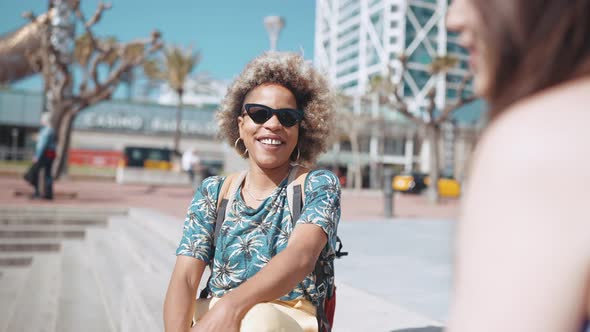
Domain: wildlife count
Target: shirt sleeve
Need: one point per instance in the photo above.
(43, 140)
(199, 223)
(322, 204)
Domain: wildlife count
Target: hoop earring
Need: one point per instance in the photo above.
(236, 147)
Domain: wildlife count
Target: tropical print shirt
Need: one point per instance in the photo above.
(249, 237)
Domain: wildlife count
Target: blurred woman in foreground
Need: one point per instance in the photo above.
(523, 255)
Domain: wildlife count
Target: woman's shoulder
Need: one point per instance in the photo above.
(534, 153)
(211, 185)
(548, 127)
(560, 107)
(320, 178)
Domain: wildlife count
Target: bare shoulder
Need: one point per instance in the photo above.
(548, 129)
(531, 166)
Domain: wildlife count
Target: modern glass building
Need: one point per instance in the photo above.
(358, 39)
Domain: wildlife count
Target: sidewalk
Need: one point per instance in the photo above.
(396, 277)
(365, 205)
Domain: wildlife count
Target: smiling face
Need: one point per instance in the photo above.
(269, 144)
(464, 18)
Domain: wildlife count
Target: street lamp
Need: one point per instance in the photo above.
(273, 25)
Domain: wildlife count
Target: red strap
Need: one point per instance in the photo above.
(330, 308)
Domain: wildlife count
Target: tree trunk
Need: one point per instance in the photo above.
(63, 131)
(177, 132)
(433, 133)
(354, 146)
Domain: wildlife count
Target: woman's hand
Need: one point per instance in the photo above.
(222, 317)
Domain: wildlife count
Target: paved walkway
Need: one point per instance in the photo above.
(356, 205)
(397, 275)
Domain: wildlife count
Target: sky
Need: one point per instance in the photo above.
(228, 33)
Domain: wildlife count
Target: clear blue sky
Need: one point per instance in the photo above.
(227, 32)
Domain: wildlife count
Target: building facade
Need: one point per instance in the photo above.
(356, 40)
(110, 126)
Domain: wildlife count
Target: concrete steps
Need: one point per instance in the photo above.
(35, 308)
(29, 247)
(80, 306)
(148, 245)
(11, 283)
(62, 272)
(16, 262)
(112, 262)
(46, 279)
(36, 234)
(44, 221)
(154, 239)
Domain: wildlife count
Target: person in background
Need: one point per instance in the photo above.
(523, 242)
(43, 159)
(190, 162)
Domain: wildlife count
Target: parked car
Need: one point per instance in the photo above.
(146, 157)
(416, 183)
(412, 183)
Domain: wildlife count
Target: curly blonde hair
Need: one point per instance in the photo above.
(312, 94)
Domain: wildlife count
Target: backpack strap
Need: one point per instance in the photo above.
(224, 200)
(295, 193)
(296, 200)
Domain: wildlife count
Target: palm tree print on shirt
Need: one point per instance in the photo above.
(249, 238)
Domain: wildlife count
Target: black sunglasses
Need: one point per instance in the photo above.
(288, 117)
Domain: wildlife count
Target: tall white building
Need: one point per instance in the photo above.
(358, 39)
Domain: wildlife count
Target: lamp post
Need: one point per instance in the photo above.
(274, 25)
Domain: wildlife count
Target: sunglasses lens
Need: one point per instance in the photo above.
(287, 119)
(259, 114)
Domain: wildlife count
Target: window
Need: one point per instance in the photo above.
(350, 84)
(396, 147)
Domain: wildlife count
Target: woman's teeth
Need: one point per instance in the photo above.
(270, 141)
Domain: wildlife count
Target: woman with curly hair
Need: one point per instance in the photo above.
(264, 259)
(523, 255)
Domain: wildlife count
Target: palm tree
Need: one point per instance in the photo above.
(173, 69)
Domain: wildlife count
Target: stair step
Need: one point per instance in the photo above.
(51, 227)
(37, 302)
(81, 307)
(143, 304)
(169, 228)
(28, 234)
(20, 220)
(16, 262)
(11, 283)
(156, 252)
(111, 263)
(53, 211)
(29, 247)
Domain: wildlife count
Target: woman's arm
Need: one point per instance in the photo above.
(181, 294)
(277, 278)
(523, 255)
(193, 253)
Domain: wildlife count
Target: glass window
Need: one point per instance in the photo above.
(396, 147)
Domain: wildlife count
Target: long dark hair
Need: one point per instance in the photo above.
(533, 45)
